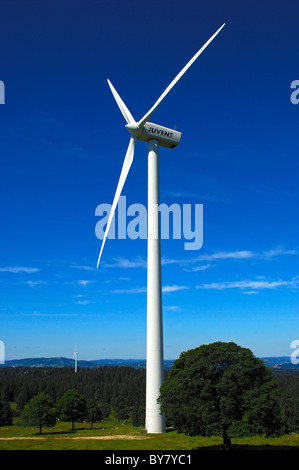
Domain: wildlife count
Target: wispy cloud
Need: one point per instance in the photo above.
(248, 254)
(66, 264)
(141, 290)
(57, 314)
(279, 251)
(254, 285)
(18, 269)
(231, 255)
(84, 302)
(142, 263)
(126, 263)
(35, 283)
(217, 256)
(220, 255)
(195, 269)
(174, 288)
(84, 267)
(133, 290)
(84, 283)
(211, 197)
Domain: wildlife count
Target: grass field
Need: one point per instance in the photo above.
(111, 435)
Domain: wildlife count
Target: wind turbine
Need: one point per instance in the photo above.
(75, 357)
(155, 135)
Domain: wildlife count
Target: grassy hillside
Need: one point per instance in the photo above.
(111, 435)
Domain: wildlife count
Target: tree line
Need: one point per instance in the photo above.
(41, 411)
(118, 390)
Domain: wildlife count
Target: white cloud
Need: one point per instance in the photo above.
(133, 290)
(247, 254)
(84, 283)
(60, 315)
(279, 251)
(141, 290)
(235, 255)
(255, 285)
(174, 288)
(219, 255)
(142, 263)
(199, 268)
(18, 269)
(35, 283)
(125, 263)
(84, 267)
(84, 302)
(230, 255)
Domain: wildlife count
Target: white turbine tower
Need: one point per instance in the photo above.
(75, 356)
(155, 135)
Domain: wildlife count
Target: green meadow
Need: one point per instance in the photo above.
(112, 435)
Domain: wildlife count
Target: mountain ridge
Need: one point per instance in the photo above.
(275, 362)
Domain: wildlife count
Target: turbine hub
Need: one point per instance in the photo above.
(134, 130)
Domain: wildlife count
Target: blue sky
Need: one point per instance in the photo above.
(62, 145)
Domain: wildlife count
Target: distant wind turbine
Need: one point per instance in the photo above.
(155, 135)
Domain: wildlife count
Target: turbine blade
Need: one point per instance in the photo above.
(176, 79)
(125, 112)
(124, 173)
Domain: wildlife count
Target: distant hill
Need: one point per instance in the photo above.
(46, 362)
(277, 363)
(65, 362)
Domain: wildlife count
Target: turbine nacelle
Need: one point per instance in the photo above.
(166, 137)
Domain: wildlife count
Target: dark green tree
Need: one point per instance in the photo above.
(6, 415)
(221, 388)
(93, 411)
(24, 395)
(105, 407)
(39, 412)
(138, 415)
(120, 408)
(71, 406)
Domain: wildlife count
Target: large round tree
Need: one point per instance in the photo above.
(221, 388)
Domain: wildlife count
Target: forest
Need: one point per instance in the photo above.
(118, 390)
